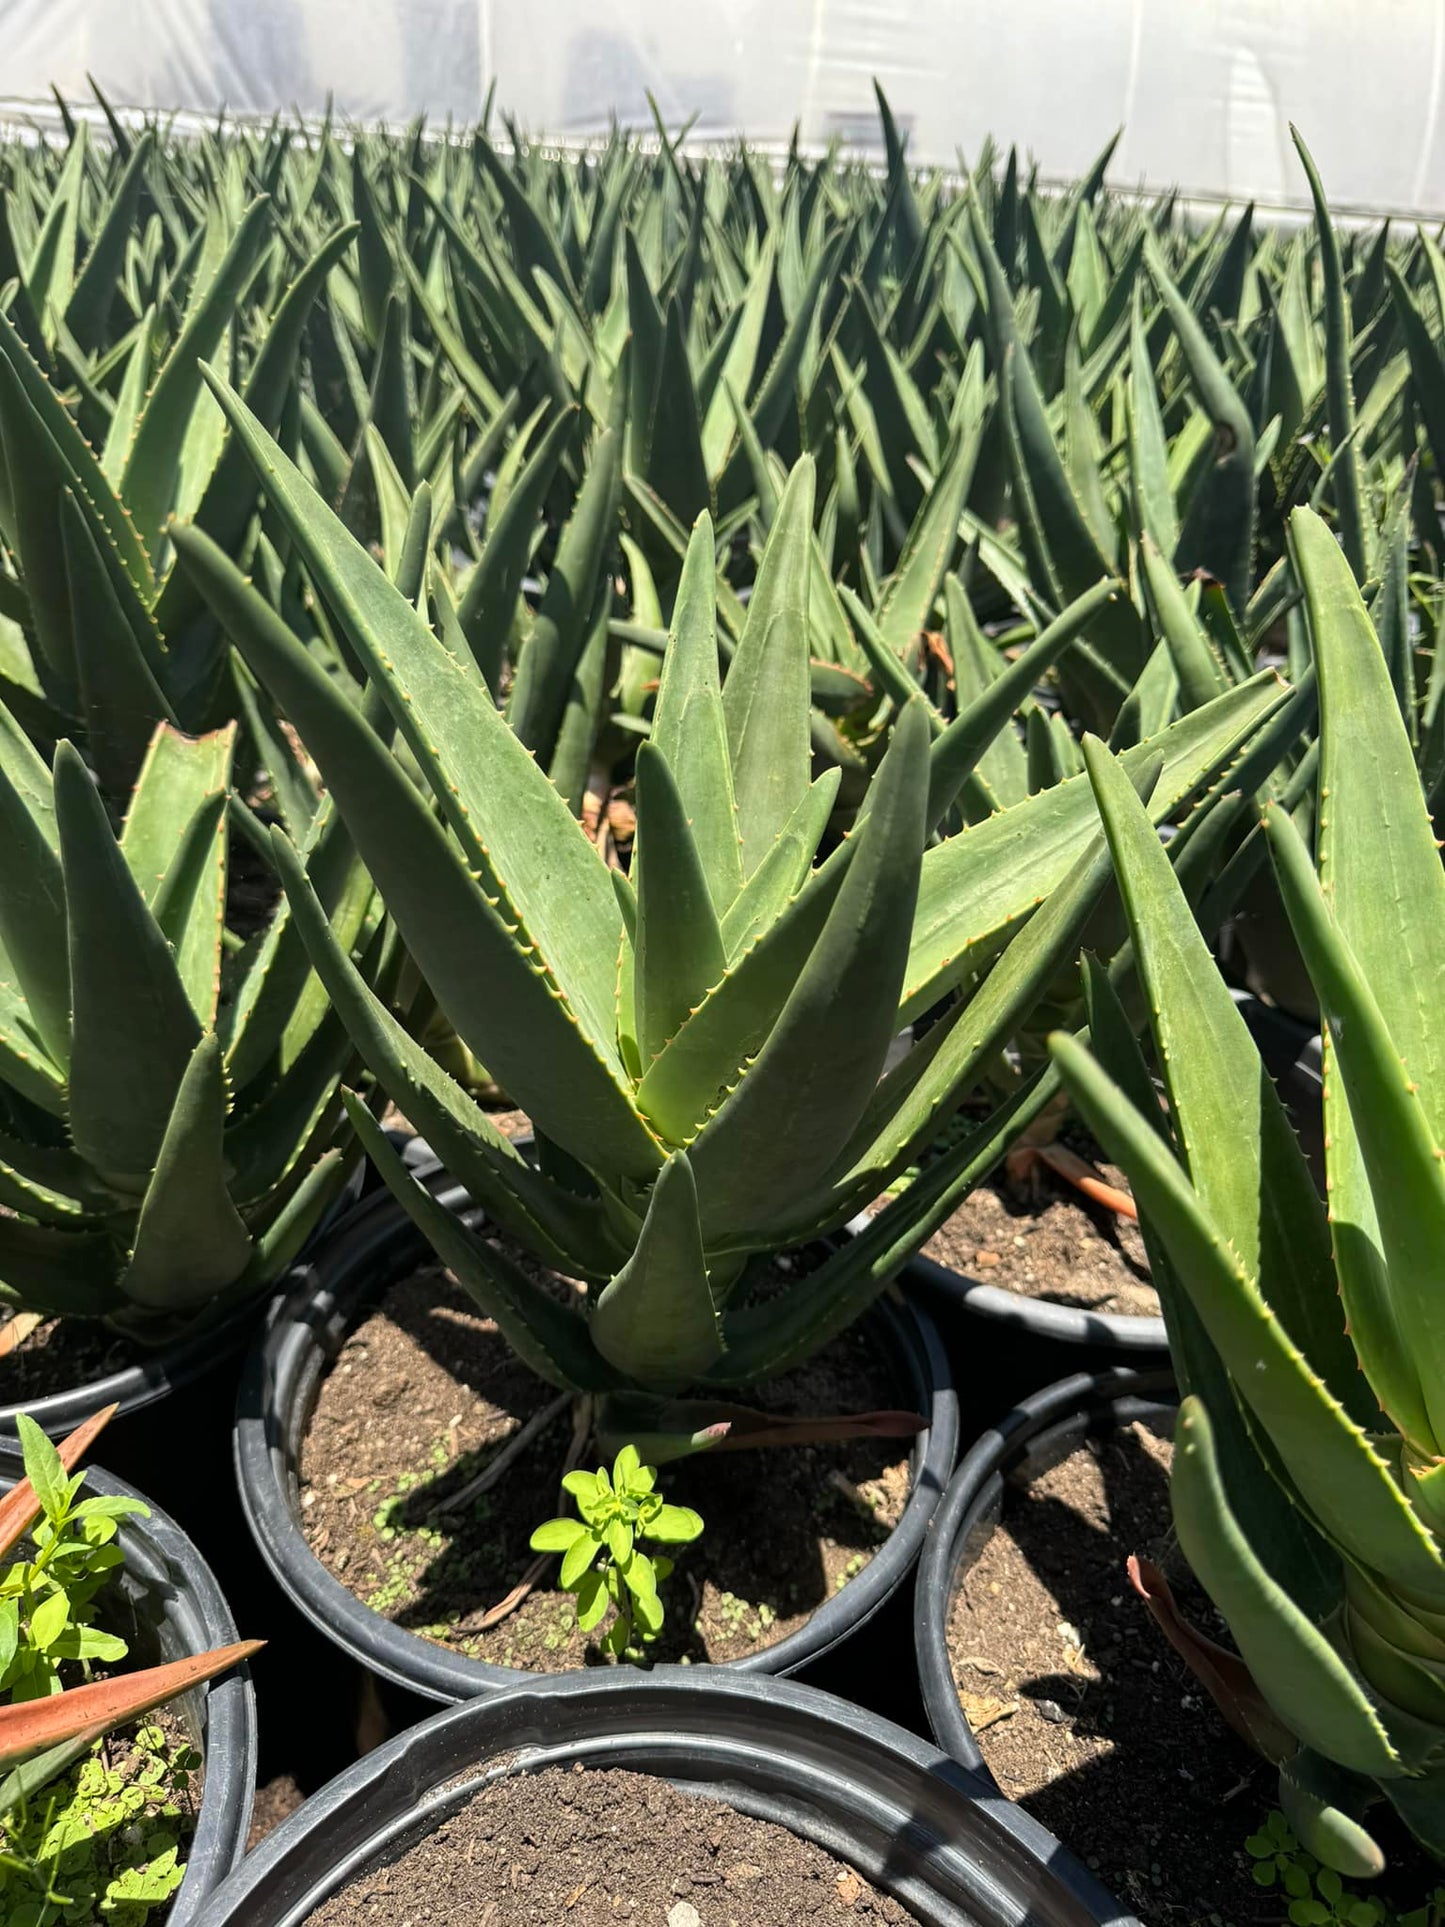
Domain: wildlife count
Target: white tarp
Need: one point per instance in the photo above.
(1203, 89)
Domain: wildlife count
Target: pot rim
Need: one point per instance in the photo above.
(913, 1822)
(1114, 1397)
(1136, 1334)
(171, 1366)
(286, 1362)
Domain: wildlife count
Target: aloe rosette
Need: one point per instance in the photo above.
(170, 1112)
(701, 1045)
(1307, 1470)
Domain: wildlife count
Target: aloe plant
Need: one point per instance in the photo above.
(170, 1117)
(1308, 1445)
(700, 1046)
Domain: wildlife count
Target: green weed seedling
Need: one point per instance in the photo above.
(602, 1562)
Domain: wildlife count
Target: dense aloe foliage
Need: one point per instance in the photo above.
(1303, 1481)
(667, 626)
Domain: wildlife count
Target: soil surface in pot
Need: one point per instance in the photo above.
(60, 1354)
(425, 1392)
(1043, 1239)
(1088, 1718)
(276, 1800)
(594, 1848)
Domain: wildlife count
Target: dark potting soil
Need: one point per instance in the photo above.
(423, 1394)
(594, 1848)
(1044, 1240)
(62, 1353)
(1089, 1719)
(276, 1800)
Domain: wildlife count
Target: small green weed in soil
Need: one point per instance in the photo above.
(1315, 1896)
(102, 1843)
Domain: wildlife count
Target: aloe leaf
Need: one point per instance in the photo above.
(891, 674)
(676, 465)
(1399, 1334)
(504, 811)
(677, 943)
(1200, 677)
(917, 1098)
(774, 1336)
(133, 1028)
(177, 404)
(1296, 1668)
(765, 696)
(82, 469)
(276, 1248)
(120, 699)
(689, 727)
(1390, 613)
(957, 752)
(912, 590)
(975, 885)
(391, 402)
(88, 310)
(1154, 510)
(583, 713)
(534, 707)
(977, 663)
(1236, 1139)
(174, 843)
(777, 391)
(784, 870)
(812, 1079)
(1345, 1483)
(33, 923)
(52, 267)
(1339, 388)
(488, 607)
(1427, 370)
(1218, 532)
(702, 1060)
(1271, 1517)
(189, 1242)
(545, 1334)
(29, 1726)
(1381, 875)
(736, 370)
(376, 269)
(500, 1000)
(568, 1230)
(656, 1321)
(531, 238)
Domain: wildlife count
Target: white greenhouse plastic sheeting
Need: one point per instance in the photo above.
(1203, 89)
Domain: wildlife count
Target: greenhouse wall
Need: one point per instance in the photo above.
(1204, 90)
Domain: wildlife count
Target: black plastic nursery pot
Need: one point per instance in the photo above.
(1043, 1328)
(1039, 1432)
(170, 1368)
(170, 1606)
(376, 1244)
(1036, 1341)
(935, 1836)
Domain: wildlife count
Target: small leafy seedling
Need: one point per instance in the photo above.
(602, 1563)
(1316, 1896)
(46, 1600)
